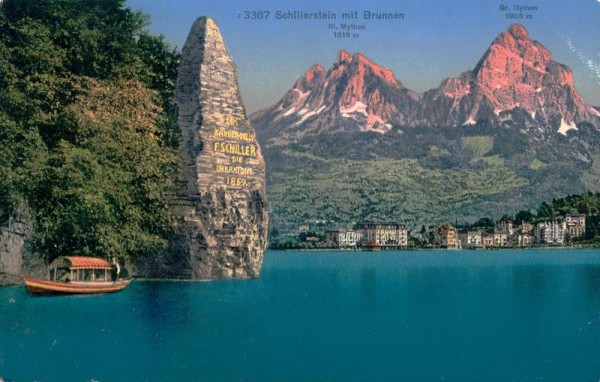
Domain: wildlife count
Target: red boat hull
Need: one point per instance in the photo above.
(41, 287)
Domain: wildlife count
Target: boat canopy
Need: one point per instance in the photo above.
(78, 262)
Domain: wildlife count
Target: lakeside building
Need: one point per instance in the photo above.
(369, 235)
(559, 231)
(445, 236)
(551, 232)
(526, 227)
(487, 240)
(382, 234)
(520, 239)
(500, 239)
(469, 239)
(504, 226)
(343, 238)
(575, 225)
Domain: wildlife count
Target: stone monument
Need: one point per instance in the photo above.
(221, 206)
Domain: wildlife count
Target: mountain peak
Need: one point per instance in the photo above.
(514, 59)
(519, 32)
(362, 59)
(354, 94)
(379, 71)
(359, 57)
(311, 79)
(516, 40)
(515, 75)
(344, 57)
(315, 71)
(515, 84)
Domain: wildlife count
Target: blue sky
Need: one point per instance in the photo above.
(435, 40)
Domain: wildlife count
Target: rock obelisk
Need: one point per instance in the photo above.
(221, 208)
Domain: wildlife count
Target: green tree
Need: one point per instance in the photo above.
(104, 191)
(87, 125)
(524, 216)
(546, 211)
(485, 223)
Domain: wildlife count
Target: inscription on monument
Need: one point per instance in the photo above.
(234, 147)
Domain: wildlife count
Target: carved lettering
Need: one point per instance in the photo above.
(220, 147)
(239, 170)
(236, 135)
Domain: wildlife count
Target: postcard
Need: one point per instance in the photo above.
(299, 191)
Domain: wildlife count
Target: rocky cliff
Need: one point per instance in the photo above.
(516, 75)
(355, 94)
(515, 84)
(221, 207)
(16, 259)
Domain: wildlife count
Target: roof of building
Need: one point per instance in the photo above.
(391, 225)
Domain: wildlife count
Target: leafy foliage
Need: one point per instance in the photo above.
(87, 125)
(588, 203)
(524, 216)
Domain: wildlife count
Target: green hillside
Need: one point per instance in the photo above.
(424, 175)
(347, 191)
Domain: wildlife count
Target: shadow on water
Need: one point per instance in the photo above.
(163, 305)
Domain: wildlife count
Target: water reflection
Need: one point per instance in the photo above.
(531, 281)
(368, 282)
(591, 280)
(435, 284)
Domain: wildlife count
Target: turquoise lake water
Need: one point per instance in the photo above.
(325, 316)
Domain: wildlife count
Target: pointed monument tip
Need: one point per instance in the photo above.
(209, 20)
(205, 28)
(204, 18)
(205, 21)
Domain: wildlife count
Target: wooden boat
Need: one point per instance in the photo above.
(78, 275)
